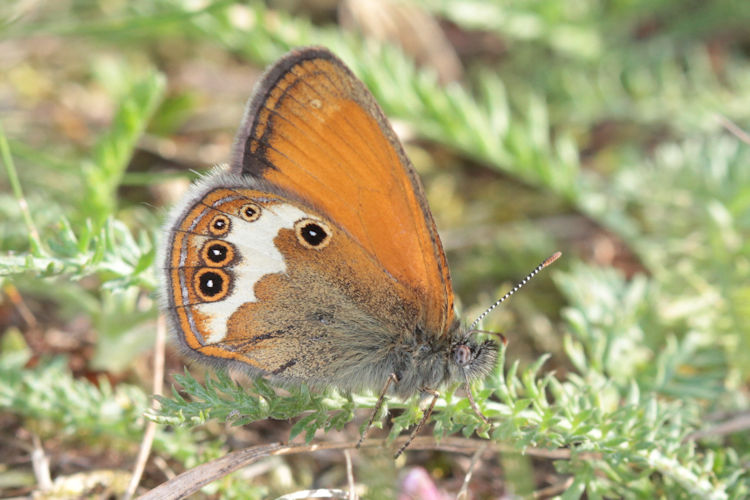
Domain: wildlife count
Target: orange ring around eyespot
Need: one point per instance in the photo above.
(219, 219)
(203, 289)
(305, 239)
(208, 254)
(250, 212)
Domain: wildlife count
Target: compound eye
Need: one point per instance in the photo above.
(462, 355)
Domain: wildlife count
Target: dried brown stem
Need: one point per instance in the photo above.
(194, 479)
(158, 385)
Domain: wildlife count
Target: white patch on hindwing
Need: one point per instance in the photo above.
(253, 241)
(253, 245)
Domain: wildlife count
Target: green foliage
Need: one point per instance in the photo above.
(111, 252)
(56, 404)
(615, 110)
(693, 225)
(50, 393)
(221, 398)
(113, 151)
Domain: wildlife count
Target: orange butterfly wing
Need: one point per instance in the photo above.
(313, 130)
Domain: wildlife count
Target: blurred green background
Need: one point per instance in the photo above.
(614, 131)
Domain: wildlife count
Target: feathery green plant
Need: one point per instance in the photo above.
(651, 361)
(55, 403)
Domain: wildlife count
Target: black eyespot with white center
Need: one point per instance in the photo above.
(211, 284)
(311, 233)
(219, 225)
(216, 253)
(250, 212)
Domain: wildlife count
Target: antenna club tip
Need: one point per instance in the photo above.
(552, 258)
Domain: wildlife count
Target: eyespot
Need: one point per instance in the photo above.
(219, 225)
(250, 212)
(217, 253)
(462, 355)
(312, 233)
(211, 284)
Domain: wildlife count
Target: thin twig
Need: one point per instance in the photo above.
(163, 467)
(734, 129)
(40, 464)
(738, 423)
(464, 491)
(17, 300)
(554, 489)
(350, 475)
(158, 384)
(194, 479)
(319, 493)
(15, 184)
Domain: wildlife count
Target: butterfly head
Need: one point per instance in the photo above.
(471, 358)
(430, 360)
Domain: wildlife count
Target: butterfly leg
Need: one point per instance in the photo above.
(392, 379)
(474, 404)
(435, 395)
(476, 408)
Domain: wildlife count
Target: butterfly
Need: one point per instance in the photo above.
(314, 258)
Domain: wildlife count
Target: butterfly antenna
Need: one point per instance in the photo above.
(538, 268)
